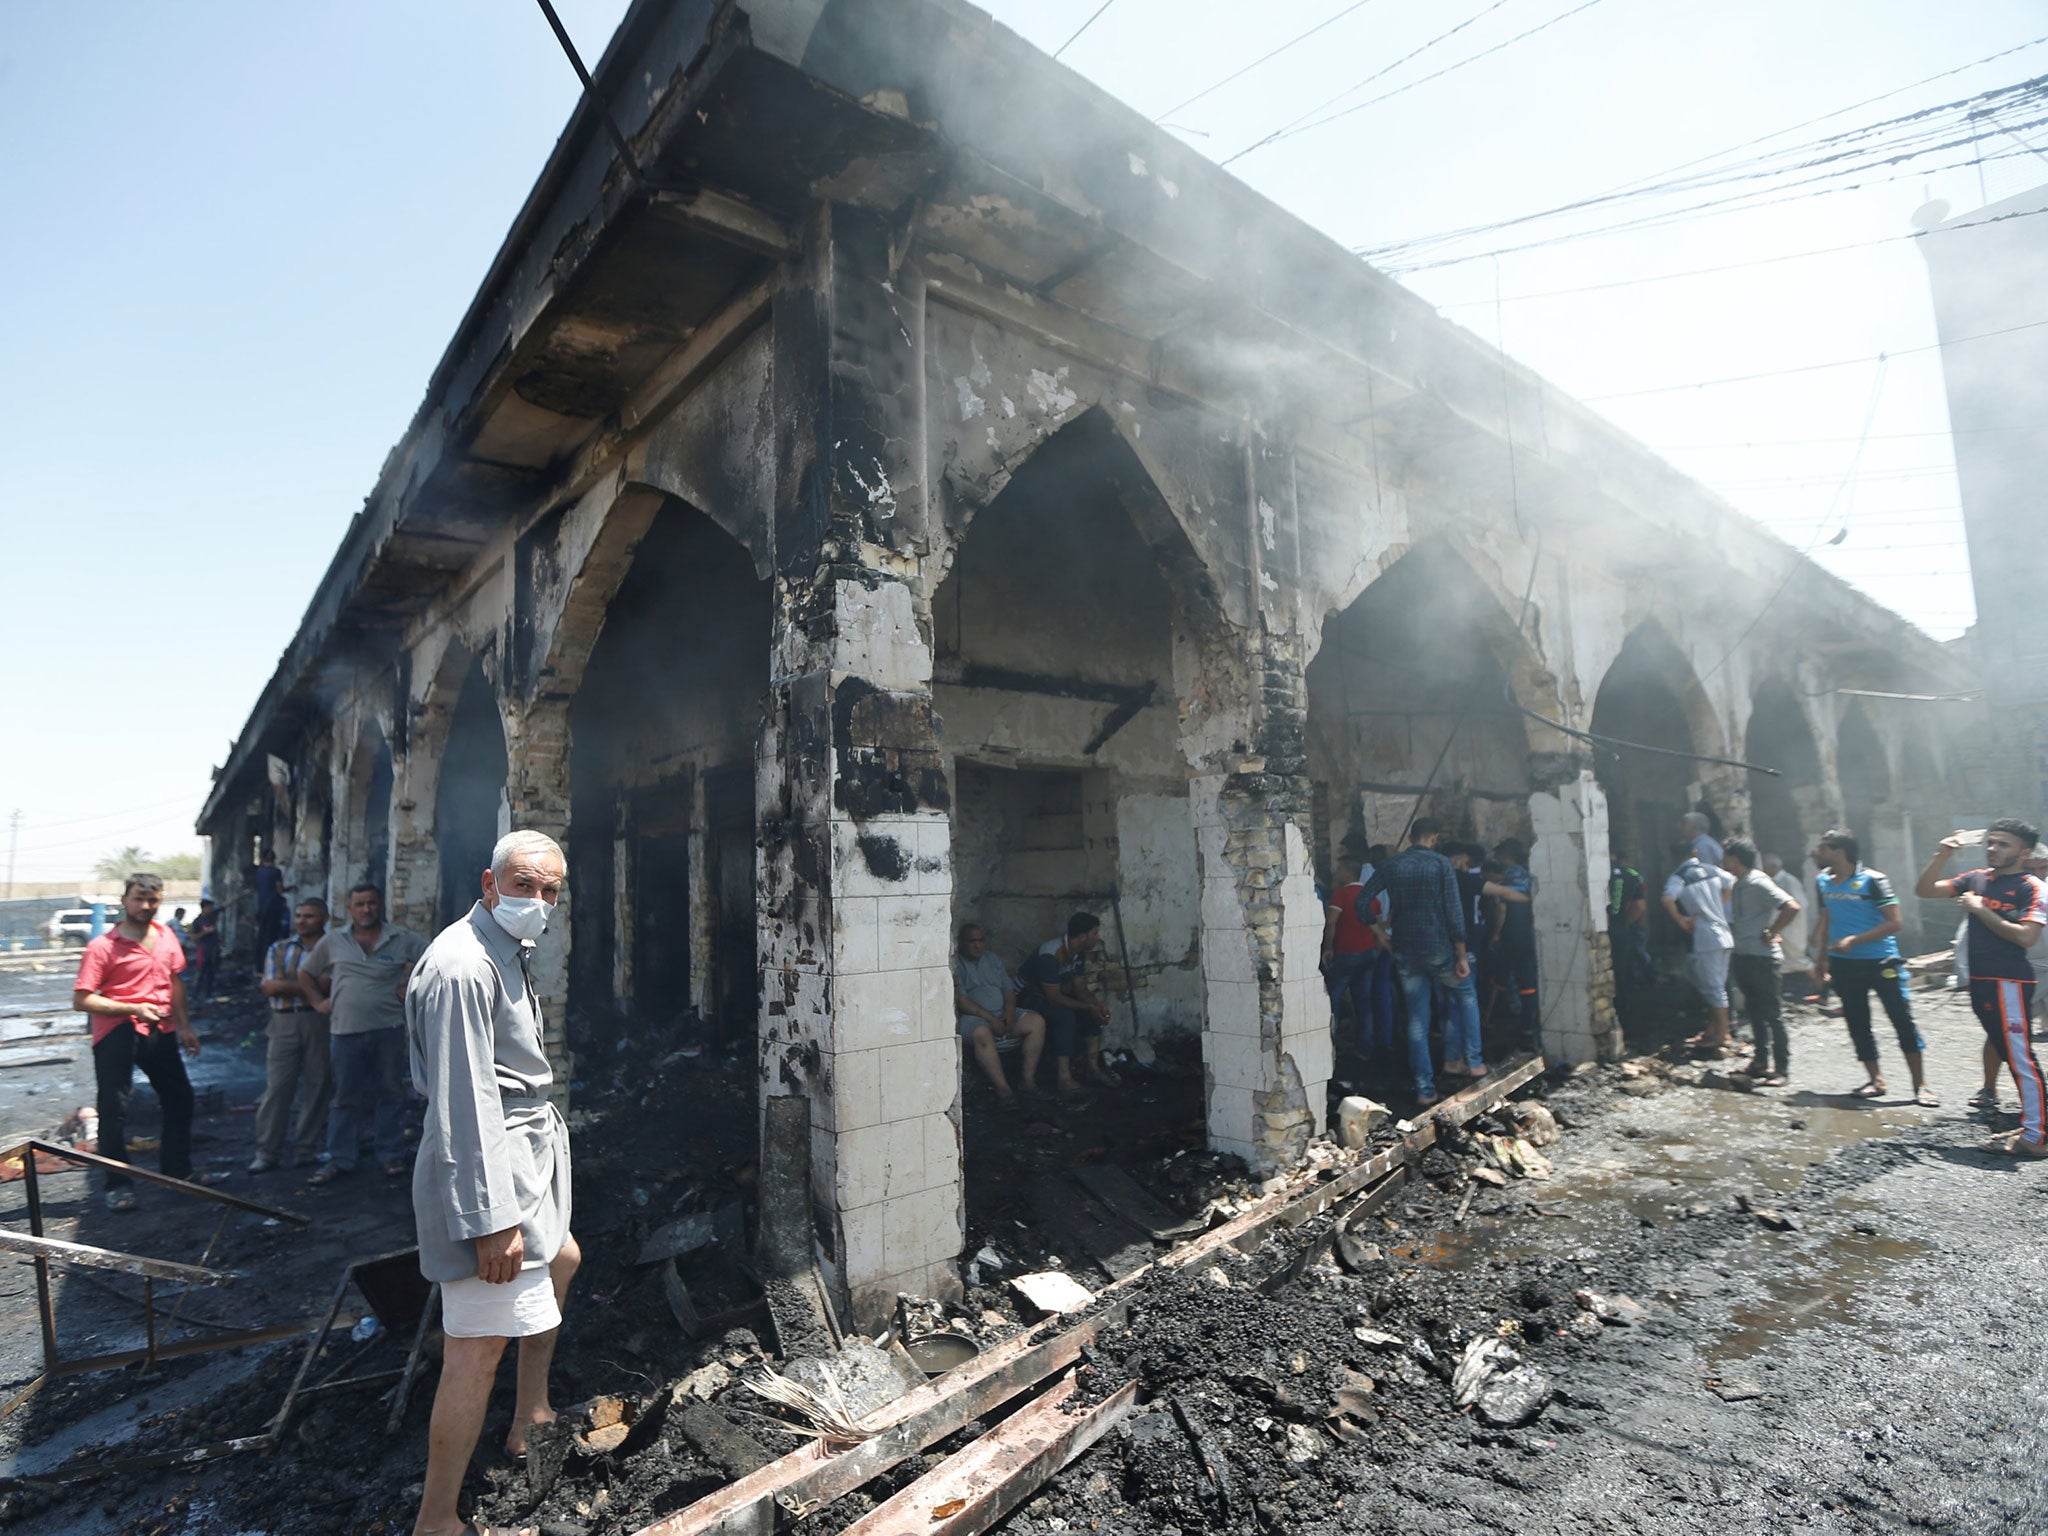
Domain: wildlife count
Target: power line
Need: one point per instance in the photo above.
(1777, 373)
(1804, 559)
(1861, 474)
(1912, 136)
(1741, 203)
(1243, 70)
(1811, 442)
(1063, 47)
(1869, 101)
(1413, 53)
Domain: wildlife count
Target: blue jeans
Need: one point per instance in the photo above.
(368, 1088)
(1419, 975)
(1367, 979)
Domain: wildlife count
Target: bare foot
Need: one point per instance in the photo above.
(515, 1442)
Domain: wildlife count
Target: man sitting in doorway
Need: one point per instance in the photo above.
(985, 1000)
(1054, 983)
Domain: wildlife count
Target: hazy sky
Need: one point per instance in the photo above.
(240, 235)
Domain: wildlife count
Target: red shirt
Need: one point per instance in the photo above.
(119, 968)
(1352, 936)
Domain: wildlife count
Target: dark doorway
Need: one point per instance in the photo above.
(471, 794)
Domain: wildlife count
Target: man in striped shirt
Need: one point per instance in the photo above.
(296, 1064)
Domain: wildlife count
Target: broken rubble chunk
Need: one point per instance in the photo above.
(1304, 1445)
(1052, 1292)
(1775, 1220)
(1535, 1123)
(1489, 1176)
(1378, 1338)
(1357, 1118)
(1513, 1398)
(704, 1383)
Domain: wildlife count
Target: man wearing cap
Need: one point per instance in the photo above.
(490, 1186)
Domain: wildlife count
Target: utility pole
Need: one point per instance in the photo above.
(13, 842)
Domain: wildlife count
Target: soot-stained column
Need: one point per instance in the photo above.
(537, 791)
(1569, 860)
(855, 873)
(1266, 1037)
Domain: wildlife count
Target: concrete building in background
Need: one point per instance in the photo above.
(1989, 271)
(919, 488)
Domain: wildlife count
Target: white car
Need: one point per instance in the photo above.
(71, 926)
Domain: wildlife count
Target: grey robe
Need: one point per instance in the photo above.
(494, 1152)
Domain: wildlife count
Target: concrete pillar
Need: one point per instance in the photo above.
(1570, 864)
(537, 792)
(855, 863)
(1266, 1046)
(412, 887)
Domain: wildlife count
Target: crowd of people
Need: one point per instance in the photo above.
(1441, 934)
(1734, 909)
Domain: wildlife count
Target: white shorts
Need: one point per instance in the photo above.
(472, 1308)
(1708, 969)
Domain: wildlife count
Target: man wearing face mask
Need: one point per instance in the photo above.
(490, 1187)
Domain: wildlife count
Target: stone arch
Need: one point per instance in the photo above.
(670, 686)
(371, 779)
(1788, 809)
(471, 770)
(1863, 768)
(577, 561)
(1085, 673)
(1651, 696)
(1421, 661)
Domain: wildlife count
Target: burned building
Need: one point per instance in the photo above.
(906, 485)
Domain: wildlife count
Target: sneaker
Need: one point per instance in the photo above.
(261, 1164)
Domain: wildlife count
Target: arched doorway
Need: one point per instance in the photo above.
(664, 726)
(1866, 778)
(1781, 804)
(1056, 632)
(1407, 675)
(1643, 700)
(469, 797)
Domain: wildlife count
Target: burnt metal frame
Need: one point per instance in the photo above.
(46, 1249)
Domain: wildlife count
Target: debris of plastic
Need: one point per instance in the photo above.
(366, 1329)
(1486, 1356)
(1377, 1338)
(1357, 1118)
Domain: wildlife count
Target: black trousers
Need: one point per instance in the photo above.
(114, 1061)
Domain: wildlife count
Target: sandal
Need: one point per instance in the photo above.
(120, 1200)
(1772, 1080)
(395, 1167)
(328, 1174)
(1755, 1067)
(1985, 1098)
(1926, 1098)
(1868, 1091)
(2012, 1144)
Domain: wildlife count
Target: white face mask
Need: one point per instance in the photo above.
(524, 917)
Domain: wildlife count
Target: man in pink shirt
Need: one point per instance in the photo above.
(128, 986)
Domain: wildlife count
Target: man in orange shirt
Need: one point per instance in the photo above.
(129, 987)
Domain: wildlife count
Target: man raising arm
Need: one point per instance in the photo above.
(2006, 909)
